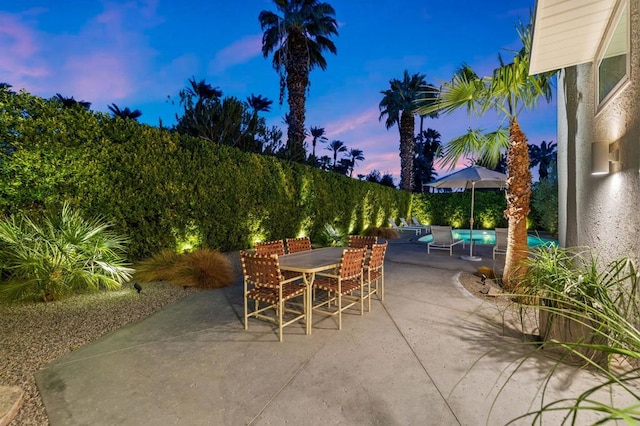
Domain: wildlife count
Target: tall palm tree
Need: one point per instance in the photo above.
(355, 154)
(508, 91)
(259, 103)
(336, 146)
(318, 135)
(427, 148)
(125, 113)
(543, 155)
(399, 106)
(297, 36)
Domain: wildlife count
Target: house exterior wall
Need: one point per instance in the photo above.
(600, 211)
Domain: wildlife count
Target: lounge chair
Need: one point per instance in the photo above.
(418, 231)
(416, 222)
(443, 239)
(501, 241)
(404, 224)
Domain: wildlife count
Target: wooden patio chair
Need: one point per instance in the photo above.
(348, 284)
(295, 245)
(374, 271)
(267, 287)
(270, 247)
(359, 241)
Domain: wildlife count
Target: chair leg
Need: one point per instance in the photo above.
(280, 310)
(246, 314)
(381, 285)
(339, 310)
(361, 297)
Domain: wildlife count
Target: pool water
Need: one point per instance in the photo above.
(488, 236)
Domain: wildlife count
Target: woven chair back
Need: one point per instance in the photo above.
(352, 263)
(377, 255)
(359, 241)
(295, 245)
(270, 247)
(261, 270)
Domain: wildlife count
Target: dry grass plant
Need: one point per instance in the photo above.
(203, 268)
(386, 233)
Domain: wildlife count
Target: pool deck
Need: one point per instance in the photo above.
(429, 354)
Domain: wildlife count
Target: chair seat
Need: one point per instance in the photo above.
(331, 284)
(270, 295)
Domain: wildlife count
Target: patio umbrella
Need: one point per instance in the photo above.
(472, 177)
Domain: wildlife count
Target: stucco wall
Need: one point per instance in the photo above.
(602, 212)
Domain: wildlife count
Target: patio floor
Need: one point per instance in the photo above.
(430, 354)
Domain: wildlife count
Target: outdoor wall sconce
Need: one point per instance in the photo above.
(600, 158)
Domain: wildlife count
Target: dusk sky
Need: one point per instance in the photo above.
(137, 53)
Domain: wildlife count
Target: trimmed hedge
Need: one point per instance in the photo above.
(167, 190)
(454, 208)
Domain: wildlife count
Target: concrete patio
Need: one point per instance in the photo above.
(430, 354)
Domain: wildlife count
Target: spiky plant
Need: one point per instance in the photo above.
(59, 255)
(203, 268)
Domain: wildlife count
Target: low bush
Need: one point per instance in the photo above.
(203, 268)
(58, 255)
(386, 233)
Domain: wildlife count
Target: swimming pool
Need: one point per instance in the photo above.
(488, 236)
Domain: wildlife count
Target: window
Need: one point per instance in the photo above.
(613, 57)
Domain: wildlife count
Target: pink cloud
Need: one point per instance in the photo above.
(237, 52)
(20, 49)
(98, 77)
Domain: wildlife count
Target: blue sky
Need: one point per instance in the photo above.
(138, 53)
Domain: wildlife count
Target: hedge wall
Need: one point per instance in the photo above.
(454, 208)
(168, 190)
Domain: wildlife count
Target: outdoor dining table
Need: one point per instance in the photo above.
(308, 263)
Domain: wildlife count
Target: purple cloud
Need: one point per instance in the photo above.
(236, 53)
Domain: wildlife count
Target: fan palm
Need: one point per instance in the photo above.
(355, 154)
(203, 91)
(318, 135)
(124, 113)
(508, 91)
(543, 155)
(71, 102)
(399, 106)
(297, 37)
(259, 103)
(336, 146)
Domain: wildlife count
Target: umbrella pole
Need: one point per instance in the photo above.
(471, 256)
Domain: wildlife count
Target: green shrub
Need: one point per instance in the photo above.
(167, 190)
(59, 255)
(202, 268)
(544, 203)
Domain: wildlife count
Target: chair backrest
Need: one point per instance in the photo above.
(295, 245)
(270, 247)
(501, 237)
(442, 234)
(360, 241)
(352, 263)
(261, 270)
(403, 222)
(393, 224)
(416, 222)
(376, 259)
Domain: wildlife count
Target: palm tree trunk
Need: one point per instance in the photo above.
(407, 126)
(518, 197)
(297, 68)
